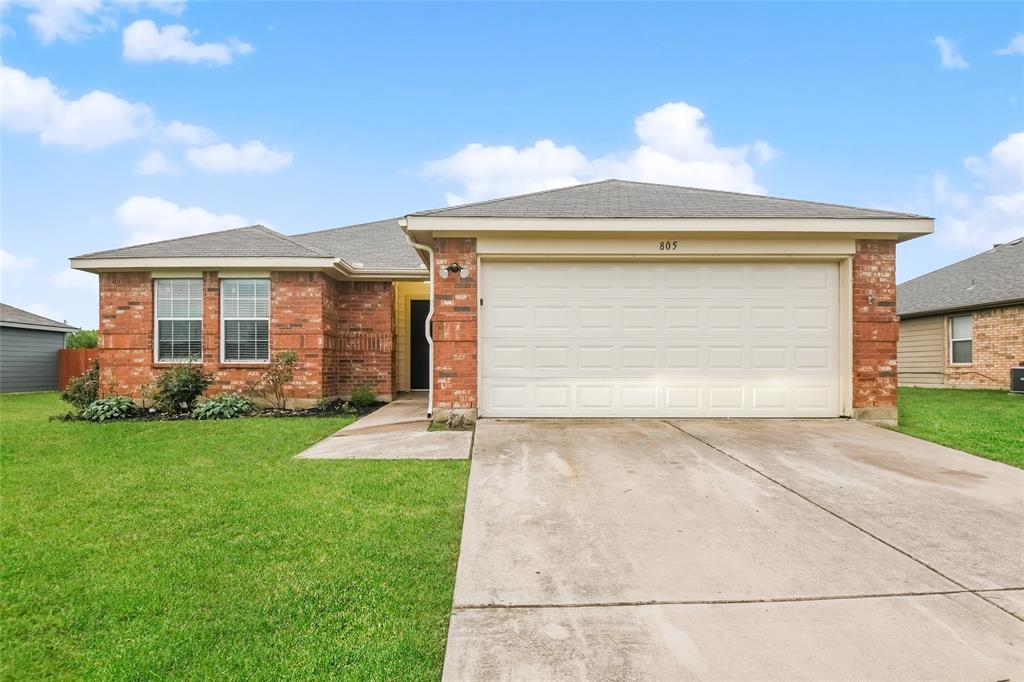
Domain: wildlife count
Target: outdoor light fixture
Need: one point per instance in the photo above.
(462, 271)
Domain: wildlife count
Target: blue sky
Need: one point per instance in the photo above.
(307, 115)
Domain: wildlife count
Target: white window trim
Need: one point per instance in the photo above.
(156, 321)
(270, 314)
(951, 340)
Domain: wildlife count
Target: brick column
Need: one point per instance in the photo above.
(125, 333)
(875, 330)
(455, 329)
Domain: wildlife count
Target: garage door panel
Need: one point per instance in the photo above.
(659, 339)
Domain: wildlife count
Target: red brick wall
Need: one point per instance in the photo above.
(875, 324)
(998, 346)
(455, 326)
(359, 337)
(327, 323)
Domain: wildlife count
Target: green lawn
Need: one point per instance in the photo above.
(203, 550)
(985, 423)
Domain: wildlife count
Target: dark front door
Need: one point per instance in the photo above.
(419, 350)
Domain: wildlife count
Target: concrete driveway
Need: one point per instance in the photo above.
(714, 549)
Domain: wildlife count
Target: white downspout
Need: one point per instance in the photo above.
(430, 316)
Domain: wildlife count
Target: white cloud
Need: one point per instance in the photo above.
(145, 42)
(676, 147)
(150, 219)
(74, 279)
(177, 132)
(94, 120)
(994, 211)
(72, 20)
(251, 157)
(13, 266)
(949, 55)
(155, 163)
(1015, 46)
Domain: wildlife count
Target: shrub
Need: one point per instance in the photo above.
(278, 375)
(83, 390)
(105, 409)
(362, 397)
(223, 406)
(178, 388)
(85, 338)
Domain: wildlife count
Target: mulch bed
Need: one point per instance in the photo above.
(334, 409)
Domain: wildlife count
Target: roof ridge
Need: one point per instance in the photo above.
(178, 239)
(345, 227)
(516, 196)
(660, 184)
(295, 243)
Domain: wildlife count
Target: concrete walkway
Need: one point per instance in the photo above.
(660, 550)
(397, 430)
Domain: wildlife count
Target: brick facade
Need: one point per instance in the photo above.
(455, 327)
(998, 345)
(875, 329)
(341, 331)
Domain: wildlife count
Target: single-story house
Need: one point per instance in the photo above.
(606, 299)
(963, 325)
(28, 350)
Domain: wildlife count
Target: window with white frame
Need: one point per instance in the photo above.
(961, 339)
(245, 320)
(179, 319)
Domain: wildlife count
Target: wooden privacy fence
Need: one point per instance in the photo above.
(73, 362)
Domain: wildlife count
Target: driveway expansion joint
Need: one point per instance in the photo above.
(964, 589)
(726, 602)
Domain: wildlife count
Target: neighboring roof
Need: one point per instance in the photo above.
(622, 199)
(380, 244)
(16, 317)
(990, 278)
(242, 242)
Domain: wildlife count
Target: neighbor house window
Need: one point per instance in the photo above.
(179, 319)
(961, 339)
(245, 319)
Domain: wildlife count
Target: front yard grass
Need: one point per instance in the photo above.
(985, 423)
(203, 550)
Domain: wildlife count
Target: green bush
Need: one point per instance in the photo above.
(279, 374)
(105, 409)
(83, 390)
(222, 406)
(178, 388)
(85, 338)
(362, 397)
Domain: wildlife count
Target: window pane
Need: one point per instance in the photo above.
(962, 351)
(179, 339)
(246, 340)
(963, 327)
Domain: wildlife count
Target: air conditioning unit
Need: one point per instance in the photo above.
(1017, 379)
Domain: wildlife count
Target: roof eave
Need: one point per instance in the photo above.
(899, 228)
(41, 327)
(961, 309)
(98, 265)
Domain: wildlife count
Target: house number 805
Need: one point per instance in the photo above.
(668, 246)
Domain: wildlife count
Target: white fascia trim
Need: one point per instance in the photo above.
(902, 226)
(40, 327)
(200, 263)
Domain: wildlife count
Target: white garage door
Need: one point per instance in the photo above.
(561, 339)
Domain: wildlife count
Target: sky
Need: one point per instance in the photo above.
(142, 120)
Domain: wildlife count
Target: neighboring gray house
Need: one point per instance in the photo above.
(28, 350)
(963, 325)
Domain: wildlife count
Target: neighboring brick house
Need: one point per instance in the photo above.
(606, 299)
(963, 325)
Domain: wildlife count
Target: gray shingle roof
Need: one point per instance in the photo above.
(380, 244)
(241, 242)
(622, 199)
(995, 276)
(11, 315)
